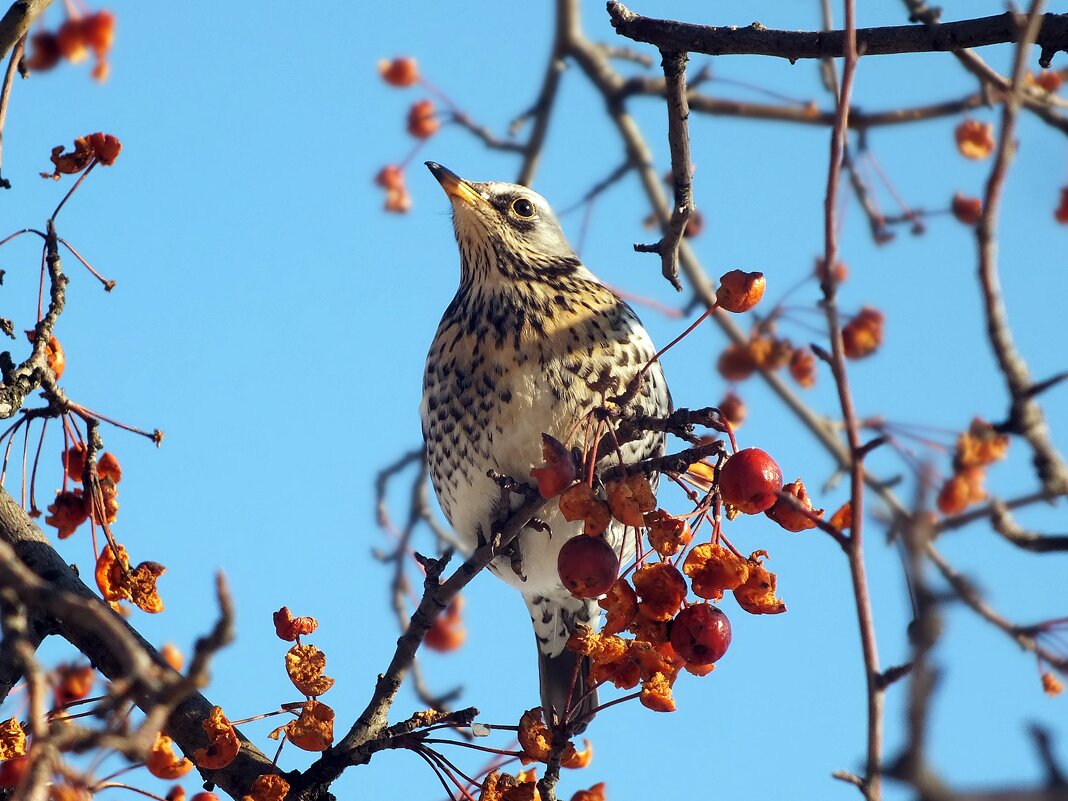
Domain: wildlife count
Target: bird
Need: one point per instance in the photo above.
(531, 342)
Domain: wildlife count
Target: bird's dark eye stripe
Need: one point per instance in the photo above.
(523, 207)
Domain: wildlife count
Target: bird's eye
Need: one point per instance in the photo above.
(523, 208)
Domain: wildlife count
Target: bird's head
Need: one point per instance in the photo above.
(505, 231)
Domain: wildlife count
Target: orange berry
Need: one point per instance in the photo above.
(967, 209)
(757, 595)
(72, 683)
(71, 41)
(733, 409)
(695, 225)
(668, 535)
(45, 54)
(559, 471)
(661, 588)
(621, 604)
(740, 291)
(630, 499)
(399, 72)
(1051, 685)
(712, 568)
(447, 633)
(975, 140)
(105, 147)
(579, 502)
(68, 511)
(74, 462)
(422, 119)
(787, 515)
(1060, 214)
(390, 177)
(288, 628)
(398, 201)
(1049, 80)
(841, 272)
(101, 71)
(803, 367)
(961, 490)
(108, 467)
(595, 793)
(98, 31)
(172, 656)
(736, 362)
(863, 335)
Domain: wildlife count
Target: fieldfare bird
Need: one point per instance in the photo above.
(530, 344)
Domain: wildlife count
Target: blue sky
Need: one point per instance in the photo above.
(273, 321)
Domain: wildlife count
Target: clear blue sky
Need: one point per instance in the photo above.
(273, 321)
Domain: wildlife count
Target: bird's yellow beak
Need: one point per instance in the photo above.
(454, 185)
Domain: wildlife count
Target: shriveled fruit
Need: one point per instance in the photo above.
(588, 566)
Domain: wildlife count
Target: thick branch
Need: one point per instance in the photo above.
(755, 39)
(43, 580)
(17, 21)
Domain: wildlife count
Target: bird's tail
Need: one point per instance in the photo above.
(565, 687)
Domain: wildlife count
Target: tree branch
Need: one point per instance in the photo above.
(45, 582)
(365, 737)
(674, 63)
(755, 39)
(17, 21)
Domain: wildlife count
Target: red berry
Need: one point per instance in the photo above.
(695, 225)
(701, 634)
(558, 472)
(588, 566)
(12, 770)
(750, 481)
(967, 210)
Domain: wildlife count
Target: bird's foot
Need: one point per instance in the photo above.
(540, 525)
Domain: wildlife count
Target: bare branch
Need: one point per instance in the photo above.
(1025, 414)
(365, 736)
(26, 377)
(42, 579)
(5, 95)
(755, 39)
(542, 109)
(17, 21)
(674, 63)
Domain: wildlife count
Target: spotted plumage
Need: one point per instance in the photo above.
(530, 343)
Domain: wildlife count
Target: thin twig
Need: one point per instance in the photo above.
(865, 620)
(674, 64)
(5, 96)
